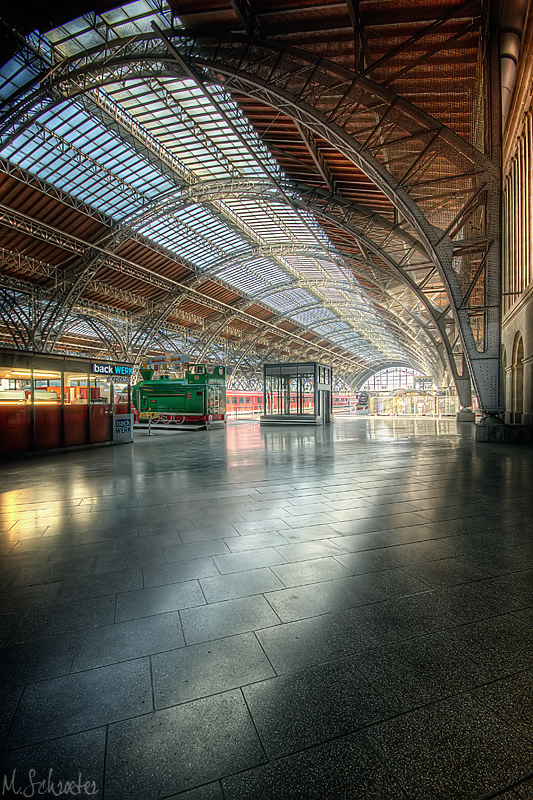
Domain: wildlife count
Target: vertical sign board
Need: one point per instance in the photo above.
(117, 373)
(122, 428)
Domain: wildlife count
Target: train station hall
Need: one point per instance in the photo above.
(266, 399)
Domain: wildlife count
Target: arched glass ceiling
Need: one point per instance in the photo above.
(267, 251)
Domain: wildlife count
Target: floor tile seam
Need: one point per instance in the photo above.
(440, 634)
(391, 598)
(7, 734)
(397, 597)
(207, 527)
(508, 594)
(152, 687)
(507, 789)
(74, 653)
(415, 542)
(384, 547)
(75, 732)
(11, 580)
(475, 621)
(203, 595)
(157, 614)
(217, 693)
(267, 657)
(303, 560)
(260, 740)
(264, 595)
(346, 735)
(104, 763)
(83, 575)
(342, 608)
(63, 632)
(508, 676)
(309, 583)
(227, 636)
(465, 582)
(10, 529)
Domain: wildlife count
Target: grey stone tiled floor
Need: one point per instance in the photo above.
(271, 614)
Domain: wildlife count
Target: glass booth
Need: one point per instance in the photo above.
(54, 402)
(297, 393)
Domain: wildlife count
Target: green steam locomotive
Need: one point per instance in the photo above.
(196, 401)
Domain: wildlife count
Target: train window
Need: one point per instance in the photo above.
(241, 399)
(199, 394)
(234, 401)
(248, 400)
(259, 400)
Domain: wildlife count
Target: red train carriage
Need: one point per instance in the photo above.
(245, 401)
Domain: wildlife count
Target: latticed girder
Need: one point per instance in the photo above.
(394, 245)
(406, 153)
(133, 334)
(145, 143)
(97, 253)
(446, 189)
(283, 253)
(102, 254)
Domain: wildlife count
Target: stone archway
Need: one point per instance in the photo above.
(517, 378)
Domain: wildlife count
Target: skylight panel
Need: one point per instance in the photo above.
(88, 31)
(244, 279)
(78, 153)
(312, 317)
(206, 224)
(182, 242)
(281, 302)
(88, 167)
(289, 300)
(261, 272)
(13, 75)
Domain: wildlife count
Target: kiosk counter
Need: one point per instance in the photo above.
(54, 402)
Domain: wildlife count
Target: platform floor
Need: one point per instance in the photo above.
(339, 612)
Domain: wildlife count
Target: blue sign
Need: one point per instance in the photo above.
(111, 369)
(123, 425)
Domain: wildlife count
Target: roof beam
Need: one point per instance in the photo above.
(316, 155)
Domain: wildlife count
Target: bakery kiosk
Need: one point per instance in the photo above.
(53, 402)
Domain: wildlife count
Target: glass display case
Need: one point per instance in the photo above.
(297, 392)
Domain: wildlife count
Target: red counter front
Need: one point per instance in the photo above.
(76, 425)
(15, 429)
(101, 424)
(48, 427)
(53, 427)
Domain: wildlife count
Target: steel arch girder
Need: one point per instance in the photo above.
(265, 71)
(325, 206)
(243, 351)
(485, 366)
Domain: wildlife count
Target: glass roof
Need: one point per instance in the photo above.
(267, 250)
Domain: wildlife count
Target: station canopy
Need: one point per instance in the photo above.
(147, 209)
